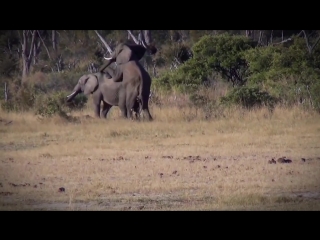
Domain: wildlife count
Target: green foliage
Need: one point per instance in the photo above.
(224, 54)
(187, 78)
(178, 52)
(8, 65)
(248, 97)
(22, 99)
(210, 107)
(286, 72)
(315, 96)
(220, 53)
(48, 105)
(44, 104)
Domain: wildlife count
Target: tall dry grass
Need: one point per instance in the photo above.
(176, 162)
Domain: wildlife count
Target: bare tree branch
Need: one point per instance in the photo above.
(32, 45)
(315, 44)
(307, 41)
(143, 41)
(104, 42)
(286, 40)
(133, 37)
(44, 45)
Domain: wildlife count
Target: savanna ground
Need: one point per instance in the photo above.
(172, 163)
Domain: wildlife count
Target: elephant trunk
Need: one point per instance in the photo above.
(75, 92)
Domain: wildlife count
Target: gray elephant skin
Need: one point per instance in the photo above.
(105, 90)
(135, 79)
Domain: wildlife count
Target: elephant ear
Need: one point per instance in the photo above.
(130, 52)
(91, 83)
(138, 52)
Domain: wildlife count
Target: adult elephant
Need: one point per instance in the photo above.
(129, 71)
(105, 90)
(123, 53)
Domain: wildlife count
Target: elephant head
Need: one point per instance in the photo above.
(87, 84)
(126, 52)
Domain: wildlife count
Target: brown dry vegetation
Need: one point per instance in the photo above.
(176, 162)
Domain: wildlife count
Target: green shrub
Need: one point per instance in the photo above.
(224, 54)
(7, 106)
(248, 97)
(315, 96)
(48, 105)
(210, 107)
(21, 98)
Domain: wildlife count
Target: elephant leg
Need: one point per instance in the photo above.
(130, 103)
(96, 104)
(146, 114)
(136, 109)
(97, 110)
(122, 102)
(105, 109)
(145, 108)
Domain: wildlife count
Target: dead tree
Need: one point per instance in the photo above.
(310, 46)
(43, 43)
(5, 92)
(27, 50)
(31, 42)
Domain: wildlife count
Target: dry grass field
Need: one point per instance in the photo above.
(172, 163)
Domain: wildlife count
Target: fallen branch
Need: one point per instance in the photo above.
(287, 40)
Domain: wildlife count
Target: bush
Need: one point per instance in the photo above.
(209, 107)
(287, 72)
(315, 96)
(48, 105)
(21, 98)
(248, 97)
(224, 54)
(59, 81)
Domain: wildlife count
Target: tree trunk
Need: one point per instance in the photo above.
(54, 40)
(147, 36)
(5, 92)
(133, 37)
(27, 55)
(36, 48)
(154, 69)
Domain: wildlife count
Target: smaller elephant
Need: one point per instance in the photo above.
(103, 89)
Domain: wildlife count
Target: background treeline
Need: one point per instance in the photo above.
(204, 69)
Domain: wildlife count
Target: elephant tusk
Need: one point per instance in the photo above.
(71, 94)
(107, 58)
